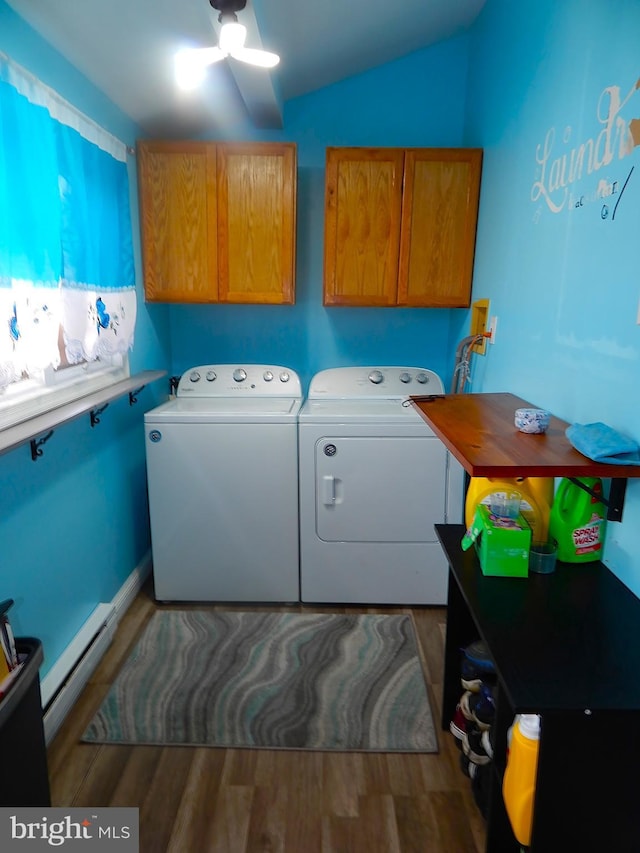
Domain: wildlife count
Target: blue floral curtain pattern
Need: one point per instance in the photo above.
(30, 253)
(67, 281)
(98, 294)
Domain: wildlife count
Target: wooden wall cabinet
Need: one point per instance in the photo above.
(218, 221)
(400, 226)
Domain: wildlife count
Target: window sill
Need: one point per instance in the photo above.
(28, 430)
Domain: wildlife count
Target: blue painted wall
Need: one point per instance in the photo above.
(74, 524)
(404, 103)
(564, 284)
(558, 250)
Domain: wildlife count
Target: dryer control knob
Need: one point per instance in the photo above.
(376, 377)
(239, 375)
(284, 376)
(194, 376)
(405, 377)
(422, 378)
(267, 376)
(211, 376)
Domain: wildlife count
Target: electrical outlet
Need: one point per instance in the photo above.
(493, 325)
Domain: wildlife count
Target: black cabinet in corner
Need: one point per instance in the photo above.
(566, 646)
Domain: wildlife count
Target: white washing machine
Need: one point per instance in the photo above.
(222, 471)
(374, 479)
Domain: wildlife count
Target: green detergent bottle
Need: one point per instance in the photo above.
(578, 521)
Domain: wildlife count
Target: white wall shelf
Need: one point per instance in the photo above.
(38, 430)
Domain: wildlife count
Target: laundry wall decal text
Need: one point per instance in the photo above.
(561, 164)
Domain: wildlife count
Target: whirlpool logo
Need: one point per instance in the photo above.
(33, 829)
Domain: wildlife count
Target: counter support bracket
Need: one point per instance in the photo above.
(615, 501)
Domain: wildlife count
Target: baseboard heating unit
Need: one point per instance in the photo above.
(65, 681)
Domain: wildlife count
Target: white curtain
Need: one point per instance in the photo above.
(67, 281)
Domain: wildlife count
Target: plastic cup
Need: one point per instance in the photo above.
(542, 557)
(505, 504)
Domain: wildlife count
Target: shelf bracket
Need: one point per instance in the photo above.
(133, 395)
(615, 501)
(36, 445)
(95, 414)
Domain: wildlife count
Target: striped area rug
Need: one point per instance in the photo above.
(273, 681)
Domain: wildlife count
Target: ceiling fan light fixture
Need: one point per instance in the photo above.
(189, 69)
(232, 37)
(190, 64)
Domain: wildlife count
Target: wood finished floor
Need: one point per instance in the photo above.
(210, 800)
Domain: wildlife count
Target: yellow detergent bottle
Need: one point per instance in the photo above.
(519, 780)
(536, 494)
(578, 521)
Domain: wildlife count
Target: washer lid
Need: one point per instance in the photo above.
(362, 411)
(238, 409)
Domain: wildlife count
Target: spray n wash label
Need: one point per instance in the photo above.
(588, 539)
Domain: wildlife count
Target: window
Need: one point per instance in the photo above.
(67, 281)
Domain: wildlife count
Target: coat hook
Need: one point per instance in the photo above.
(133, 395)
(95, 414)
(36, 446)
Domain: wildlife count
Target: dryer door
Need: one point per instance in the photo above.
(379, 489)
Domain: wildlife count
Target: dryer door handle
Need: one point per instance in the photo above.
(328, 490)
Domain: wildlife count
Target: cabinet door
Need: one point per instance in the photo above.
(178, 220)
(256, 222)
(362, 225)
(439, 216)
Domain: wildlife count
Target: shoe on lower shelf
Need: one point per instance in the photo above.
(473, 746)
(478, 655)
(465, 705)
(468, 768)
(479, 707)
(458, 726)
(487, 745)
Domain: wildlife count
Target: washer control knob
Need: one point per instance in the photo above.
(211, 376)
(405, 377)
(239, 374)
(194, 376)
(422, 378)
(267, 376)
(284, 376)
(376, 377)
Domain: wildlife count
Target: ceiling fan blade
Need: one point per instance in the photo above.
(190, 65)
(207, 55)
(253, 56)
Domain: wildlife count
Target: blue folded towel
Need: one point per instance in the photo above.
(603, 444)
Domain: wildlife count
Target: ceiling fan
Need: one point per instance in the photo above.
(191, 62)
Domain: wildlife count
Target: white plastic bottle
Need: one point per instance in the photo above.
(519, 782)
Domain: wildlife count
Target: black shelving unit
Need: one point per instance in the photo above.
(24, 780)
(566, 646)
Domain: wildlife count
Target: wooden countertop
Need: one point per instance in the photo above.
(479, 431)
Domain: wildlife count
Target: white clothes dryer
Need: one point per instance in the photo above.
(222, 471)
(374, 480)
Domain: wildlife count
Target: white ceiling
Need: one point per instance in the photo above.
(126, 48)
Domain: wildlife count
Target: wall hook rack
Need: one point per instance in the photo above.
(27, 432)
(36, 445)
